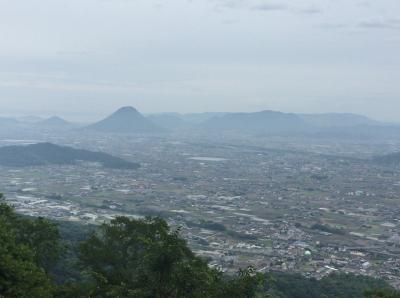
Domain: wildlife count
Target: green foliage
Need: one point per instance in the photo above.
(40, 235)
(67, 269)
(349, 285)
(328, 229)
(215, 226)
(333, 286)
(20, 275)
(143, 258)
(43, 238)
(248, 284)
(382, 293)
(285, 285)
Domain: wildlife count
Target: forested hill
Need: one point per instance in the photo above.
(50, 154)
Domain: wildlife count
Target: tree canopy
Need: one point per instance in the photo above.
(22, 259)
(144, 258)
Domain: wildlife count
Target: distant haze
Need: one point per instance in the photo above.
(83, 59)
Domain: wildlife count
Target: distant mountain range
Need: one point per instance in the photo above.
(334, 125)
(7, 121)
(169, 121)
(128, 120)
(198, 118)
(337, 120)
(32, 123)
(30, 119)
(49, 154)
(173, 121)
(125, 120)
(264, 121)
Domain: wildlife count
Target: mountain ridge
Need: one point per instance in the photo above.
(263, 121)
(42, 154)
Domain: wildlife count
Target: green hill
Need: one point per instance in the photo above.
(49, 154)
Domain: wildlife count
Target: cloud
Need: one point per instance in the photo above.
(333, 26)
(248, 4)
(226, 4)
(75, 53)
(269, 7)
(380, 24)
(391, 24)
(311, 10)
(364, 4)
(265, 6)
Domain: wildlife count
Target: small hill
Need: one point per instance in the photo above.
(125, 120)
(55, 122)
(258, 122)
(49, 154)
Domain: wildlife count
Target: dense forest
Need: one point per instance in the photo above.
(139, 258)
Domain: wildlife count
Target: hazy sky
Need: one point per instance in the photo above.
(84, 58)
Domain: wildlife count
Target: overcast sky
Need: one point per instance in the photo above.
(84, 58)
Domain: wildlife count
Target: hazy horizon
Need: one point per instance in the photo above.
(89, 118)
(85, 59)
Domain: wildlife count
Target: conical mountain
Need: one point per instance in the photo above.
(125, 120)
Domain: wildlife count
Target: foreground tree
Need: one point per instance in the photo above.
(143, 258)
(40, 235)
(20, 275)
(383, 293)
